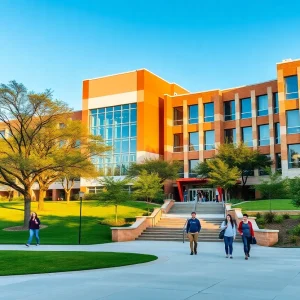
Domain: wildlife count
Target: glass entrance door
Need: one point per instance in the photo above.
(202, 195)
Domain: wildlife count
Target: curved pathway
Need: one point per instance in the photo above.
(270, 273)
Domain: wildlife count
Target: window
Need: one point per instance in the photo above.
(294, 156)
(247, 136)
(277, 133)
(178, 116)
(62, 125)
(178, 142)
(192, 164)
(264, 135)
(278, 162)
(275, 103)
(117, 126)
(94, 189)
(181, 170)
(263, 172)
(209, 113)
(229, 110)
(209, 140)
(262, 105)
(194, 141)
(193, 114)
(293, 121)
(246, 110)
(291, 87)
(230, 136)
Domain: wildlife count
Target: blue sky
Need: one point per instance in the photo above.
(200, 45)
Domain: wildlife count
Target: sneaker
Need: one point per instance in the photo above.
(227, 256)
(246, 257)
(26, 245)
(231, 257)
(192, 253)
(37, 244)
(195, 252)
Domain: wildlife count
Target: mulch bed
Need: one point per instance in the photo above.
(284, 227)
(21, 228)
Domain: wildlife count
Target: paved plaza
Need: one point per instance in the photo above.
(270, 273)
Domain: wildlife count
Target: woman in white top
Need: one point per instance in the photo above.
(229, 235)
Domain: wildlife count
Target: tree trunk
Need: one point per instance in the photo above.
(68, 196)
(116, 213)
(42, 195)
(225, 192)
(27, 209)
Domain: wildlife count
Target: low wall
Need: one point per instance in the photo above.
(264, 237)
(125, 234)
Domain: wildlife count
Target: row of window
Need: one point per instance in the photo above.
(293, 127)
(293, 162)
(291, 92)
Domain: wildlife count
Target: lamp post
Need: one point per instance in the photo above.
(81, 195)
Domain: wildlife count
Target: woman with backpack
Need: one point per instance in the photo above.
(229, 228)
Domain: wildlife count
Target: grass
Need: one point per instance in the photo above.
(22, 262)
(62, 220)
(277, 204)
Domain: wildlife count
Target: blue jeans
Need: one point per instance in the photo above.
(33, 232)
(228, 240)
(246, 242)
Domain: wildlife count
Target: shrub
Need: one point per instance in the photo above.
(286, 216)
(269, 217)
(112, 222)
(92, 196)
(278, 219)
(296, 230)
(260, 221)
(258, 215)
(293, 239)
(235, 201)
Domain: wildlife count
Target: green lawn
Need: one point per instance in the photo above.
(62, 220)
(32, 262)
(277, 204)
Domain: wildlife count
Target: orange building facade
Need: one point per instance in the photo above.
(174, 124)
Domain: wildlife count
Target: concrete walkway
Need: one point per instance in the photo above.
(270, 273)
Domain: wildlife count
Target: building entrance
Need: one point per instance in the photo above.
(202, 194)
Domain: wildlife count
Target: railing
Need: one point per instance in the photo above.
(184, 229)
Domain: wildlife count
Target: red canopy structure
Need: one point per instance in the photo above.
(180, 182)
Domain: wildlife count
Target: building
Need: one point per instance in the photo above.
(143, 116)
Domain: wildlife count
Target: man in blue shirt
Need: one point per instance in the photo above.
(193, 228)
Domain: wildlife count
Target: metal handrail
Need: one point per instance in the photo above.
(183, 229)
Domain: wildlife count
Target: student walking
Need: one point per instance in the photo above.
(229, 228)
(193, 228)
(34, 227)
(247, 233)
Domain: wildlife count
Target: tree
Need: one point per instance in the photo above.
(25, 114)
(273, 187)
(86, 169)
(164, 169)
(148, 186)
(202, 169)
(293, 185)
(115, 192)
(222, 175)
(36, 147)
(240, 156)
(72, 148)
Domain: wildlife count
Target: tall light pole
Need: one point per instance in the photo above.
(81, 195)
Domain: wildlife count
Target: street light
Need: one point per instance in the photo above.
(81, 195)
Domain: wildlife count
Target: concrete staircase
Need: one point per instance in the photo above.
(170, 227)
